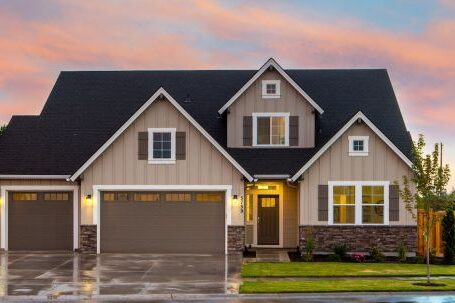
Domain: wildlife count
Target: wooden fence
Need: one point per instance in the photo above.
(435, 235)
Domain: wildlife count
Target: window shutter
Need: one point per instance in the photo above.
(394, 203)
(143, 148)
(180, 145)
(247, 131)
(294, 130)
(323, 202)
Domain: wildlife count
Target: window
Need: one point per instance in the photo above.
(115, 196)
(56, 197)
(249, 208)
(178, 197)
(161, 145)
(268, 202)
(359, 203)
(270, 89)
(147, 197)
(209, 197)
(270, 129)
(358, 145)
(25, 196)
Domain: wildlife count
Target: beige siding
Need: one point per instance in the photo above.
(251, 101)
(381, 164)
(290, 216)
(119, 164)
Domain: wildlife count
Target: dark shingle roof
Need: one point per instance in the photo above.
(84, 109)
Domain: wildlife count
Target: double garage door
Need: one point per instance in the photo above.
(162, 222)
(40, 221)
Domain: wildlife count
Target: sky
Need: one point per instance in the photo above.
(413, 39)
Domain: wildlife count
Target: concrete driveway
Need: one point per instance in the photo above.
(68, 274)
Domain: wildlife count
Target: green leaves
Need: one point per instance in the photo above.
(2, 129)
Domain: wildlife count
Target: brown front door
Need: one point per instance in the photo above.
(268, 220)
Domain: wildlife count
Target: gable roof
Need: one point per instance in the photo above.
(271, 63)
(85, 109)
(160, 92)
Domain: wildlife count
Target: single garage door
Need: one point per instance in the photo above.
(40, 221)
(162, 222)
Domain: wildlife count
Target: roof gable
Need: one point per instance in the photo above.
(270, 63)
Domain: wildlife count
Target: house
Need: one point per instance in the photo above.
(207, 162)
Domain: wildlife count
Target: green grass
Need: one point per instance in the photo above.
(341, 286)
(339, 269)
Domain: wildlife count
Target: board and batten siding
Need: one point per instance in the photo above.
(119, 164)
(381, 164)
(251, 101)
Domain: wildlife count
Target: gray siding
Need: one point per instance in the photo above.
(290, 101)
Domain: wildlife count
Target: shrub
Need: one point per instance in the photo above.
(309, 247)
(340, 250)
(419, 260)
(376, 254)
(448, 235)
(358, 257)
(334, 258)
(402, 252)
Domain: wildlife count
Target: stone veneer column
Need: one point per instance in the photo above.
(88, 241)
(360, 238)
(236, 238)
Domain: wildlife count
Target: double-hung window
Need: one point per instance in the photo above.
(270, 129)
(358, 203)
(161, 145)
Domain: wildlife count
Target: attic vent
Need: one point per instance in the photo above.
(187, 99)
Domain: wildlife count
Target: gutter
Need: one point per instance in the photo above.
(36, 177)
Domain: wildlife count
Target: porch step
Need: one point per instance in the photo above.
(272, 255)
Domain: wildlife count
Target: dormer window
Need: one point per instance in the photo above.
(270, 89)
(358, 145)
(270, 129)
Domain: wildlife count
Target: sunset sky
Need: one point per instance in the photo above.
(414, 40)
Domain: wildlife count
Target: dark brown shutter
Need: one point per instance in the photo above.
(394, 203)
(247, 131)
(180, 145)
(143, 148)
(294, 130)
(323, 202)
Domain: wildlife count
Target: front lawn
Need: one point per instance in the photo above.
(341, 286)
(339, 269)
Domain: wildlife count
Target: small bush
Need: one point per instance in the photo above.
(376, 254)
(334, 258)
(419, 260)
(309, 247)
(340, 250)
(402, 252)
(448, 235)
(358, 257)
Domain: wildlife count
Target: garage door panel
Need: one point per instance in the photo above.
(39, 224)
(162, 227)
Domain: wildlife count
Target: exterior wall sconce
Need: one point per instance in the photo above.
(88, 200)
(235, 200)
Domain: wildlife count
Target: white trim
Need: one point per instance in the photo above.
(365, 150)
(97, 202)
(151, 159)
(357, 116)
(22, 177)
(4, 208)
(255, 221)
(286, 129)
(158, 93)
(272, 177)
(269, 63)
(358, 201)
(266, 95)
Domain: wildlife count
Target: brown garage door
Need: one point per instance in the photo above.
(162, 222)
(40, 221)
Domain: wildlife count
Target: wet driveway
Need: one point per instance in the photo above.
(67, 274)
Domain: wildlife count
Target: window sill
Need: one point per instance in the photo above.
(358, 225)
(271, 96)
(358, 154)
(161, 161)
(270, 146)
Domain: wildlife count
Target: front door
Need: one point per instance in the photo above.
(268, 226)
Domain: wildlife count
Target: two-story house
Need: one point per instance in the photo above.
(207, 162)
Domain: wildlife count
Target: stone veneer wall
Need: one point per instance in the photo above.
(88, 239)
(360, 238)
(236, 238)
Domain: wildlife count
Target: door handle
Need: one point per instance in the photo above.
(259, 220)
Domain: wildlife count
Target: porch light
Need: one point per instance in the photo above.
(235, 200)
(88, 200)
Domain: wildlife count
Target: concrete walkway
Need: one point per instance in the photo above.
(272, 255)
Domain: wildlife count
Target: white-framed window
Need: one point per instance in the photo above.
(271, 89)
(358, 202)
(270, 129)
(358, 145)
(161, 145)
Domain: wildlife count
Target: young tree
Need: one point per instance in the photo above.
(2, 129)
(425, 190)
